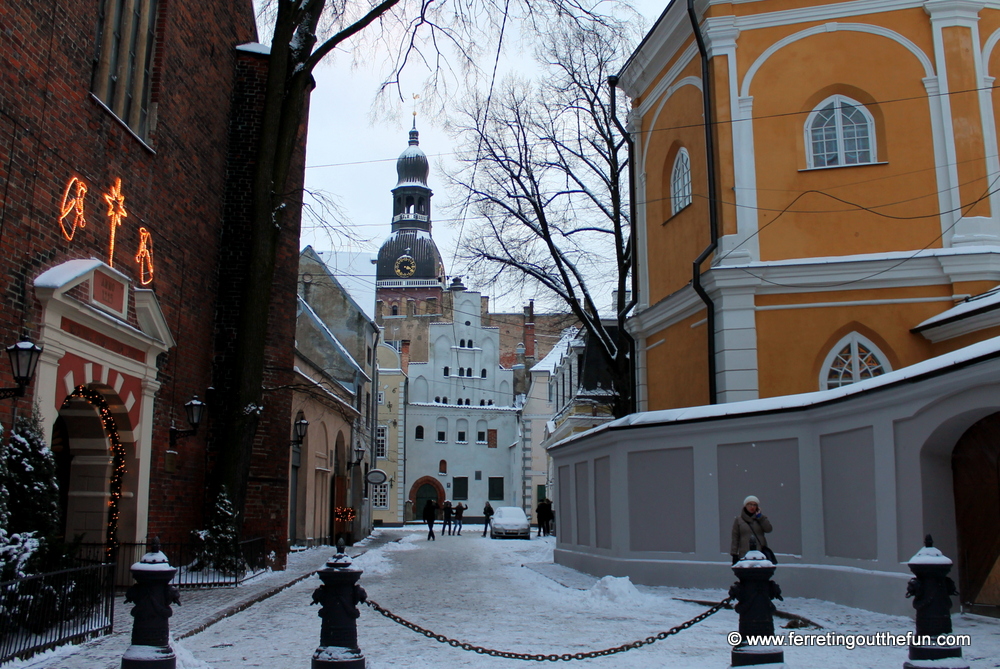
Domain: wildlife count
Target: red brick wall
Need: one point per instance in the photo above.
(52, 129)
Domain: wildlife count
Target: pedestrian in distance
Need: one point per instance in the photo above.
(459, 512)
(430, 515)
(750, 524)
(543, 512)
(446, 512)
(488, 514)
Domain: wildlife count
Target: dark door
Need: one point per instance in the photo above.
(975, 466)
(424, 493)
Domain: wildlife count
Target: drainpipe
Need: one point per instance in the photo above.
(713, 213)
(634, 268)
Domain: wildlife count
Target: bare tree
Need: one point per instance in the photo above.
(406, 32)
(545, 169)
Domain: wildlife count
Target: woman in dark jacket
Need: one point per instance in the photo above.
(430, 515)
(750, 524)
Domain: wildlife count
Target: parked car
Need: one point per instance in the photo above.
(510, 521)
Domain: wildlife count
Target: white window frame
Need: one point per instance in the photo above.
(853, 339)
(838, 100)
(680, 182)
(381, 397)
(379, 494)
(381, 441)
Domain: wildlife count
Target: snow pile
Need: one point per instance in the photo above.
(617, 590)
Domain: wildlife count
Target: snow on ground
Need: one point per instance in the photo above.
(476, 590)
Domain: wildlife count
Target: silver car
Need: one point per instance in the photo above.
(510, 521)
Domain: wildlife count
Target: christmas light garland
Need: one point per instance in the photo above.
(97, 400)
(344, 514)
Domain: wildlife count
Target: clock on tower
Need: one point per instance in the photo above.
(405, 266)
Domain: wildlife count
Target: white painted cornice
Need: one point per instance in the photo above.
(954, 12)
(660, 44)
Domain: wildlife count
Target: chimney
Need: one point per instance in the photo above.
(529, 330)
(404, 355)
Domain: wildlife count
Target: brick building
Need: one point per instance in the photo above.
(126, 150)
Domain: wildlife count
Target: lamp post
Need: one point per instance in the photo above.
(195, 410)
(359, 455)
(24, 357)
(301, 426)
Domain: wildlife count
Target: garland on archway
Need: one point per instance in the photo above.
(96, 400)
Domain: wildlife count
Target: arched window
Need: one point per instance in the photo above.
(482, 374)
(853, 359)
(419, 434)
(438, 399)
(447, 370)
(444, 400)
(443, 467)
(489, 403)
(467, 401)
(470, 343)
(468, 371)
(461, 344)
(395, 310)
(840, 131)
(680, 182)
(482, 403)
(461, 371)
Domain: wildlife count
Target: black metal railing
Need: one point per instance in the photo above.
(48, 610)
(195, 568)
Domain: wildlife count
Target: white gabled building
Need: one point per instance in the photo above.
(462, 433)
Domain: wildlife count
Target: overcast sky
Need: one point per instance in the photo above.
(351, 160)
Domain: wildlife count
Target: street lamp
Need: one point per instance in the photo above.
(359, 455)
(301, 425)
(195, 410)
(23, 360)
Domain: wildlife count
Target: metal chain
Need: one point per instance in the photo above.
(553, 657)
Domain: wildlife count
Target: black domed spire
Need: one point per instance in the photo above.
(412, 166)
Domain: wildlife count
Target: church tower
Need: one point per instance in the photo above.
(409, 278)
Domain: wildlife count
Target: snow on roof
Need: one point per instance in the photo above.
(255, 47)
(963, 356)
(319, 384)
(868, 257)
(976, 304)
(554, 356)
(60, 275)
(331, 337)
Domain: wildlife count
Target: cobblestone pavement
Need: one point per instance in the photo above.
(199, 609)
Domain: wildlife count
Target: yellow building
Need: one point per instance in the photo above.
(857, 192)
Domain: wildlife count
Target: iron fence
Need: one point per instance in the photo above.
(195, 567)
(48, 610)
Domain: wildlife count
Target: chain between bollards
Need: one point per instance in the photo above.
(553, 657)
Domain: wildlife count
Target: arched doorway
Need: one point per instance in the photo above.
(975, 463)
(95, 459)
(423, 489)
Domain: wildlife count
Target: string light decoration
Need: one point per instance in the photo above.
(344, 514)
(145, 257)
(96, 400)
(72, 203)
(116, 212)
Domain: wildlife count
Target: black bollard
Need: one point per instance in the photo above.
(754, 593)
(931, 589)
(339, 597)
(152, 595)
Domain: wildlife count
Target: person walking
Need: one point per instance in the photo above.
(750, 524)
(446, 511)
(459, 512)
(488, 513)
(544, 515)
(430, 515)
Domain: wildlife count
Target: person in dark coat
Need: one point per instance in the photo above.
(430, 515)
(544, 515)
(446, 527)
(459, 512)
(750, 524)
(488, 513)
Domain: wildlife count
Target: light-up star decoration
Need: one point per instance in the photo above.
(72, 203)
(116, 212)
(145, 257)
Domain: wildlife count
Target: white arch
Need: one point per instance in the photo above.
(835, 27)
(853, 338)
(991, 42)
(673, 88)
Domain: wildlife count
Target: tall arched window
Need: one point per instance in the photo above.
(853, 359)
(461, 371)
(482, 374)
(395, 310)
(680, 182)
(419, 433)
(468, 371)
(470, 343)
(461, 344)
(443, 467)
(840, 131)
(446, 371)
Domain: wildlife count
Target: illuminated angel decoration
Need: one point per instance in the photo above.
(145, 257)
(72, 203)
(116, 212)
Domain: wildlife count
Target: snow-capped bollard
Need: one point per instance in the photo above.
(754, 593)
(931, 590)
(152, 595)
(339, 597)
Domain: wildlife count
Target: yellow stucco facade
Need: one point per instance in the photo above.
(858, 191)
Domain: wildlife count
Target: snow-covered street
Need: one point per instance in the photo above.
(479, 591)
